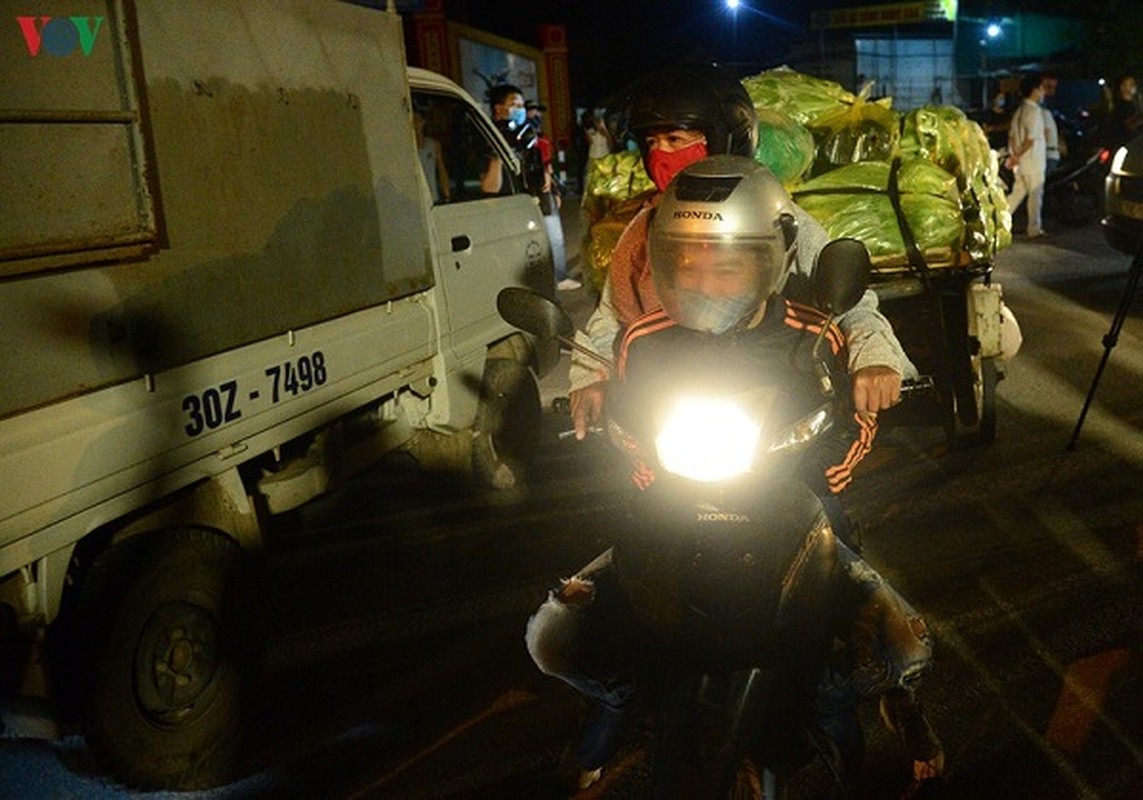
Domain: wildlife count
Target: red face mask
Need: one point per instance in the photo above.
(662, 166)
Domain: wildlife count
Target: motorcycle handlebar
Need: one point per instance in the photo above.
(909, 387)
(922, 383)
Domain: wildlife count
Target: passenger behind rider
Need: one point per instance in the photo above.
(575, 646)
(681, 114)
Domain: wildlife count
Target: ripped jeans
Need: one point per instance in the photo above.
(583, 643)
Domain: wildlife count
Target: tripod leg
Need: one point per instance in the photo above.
(1111, 339)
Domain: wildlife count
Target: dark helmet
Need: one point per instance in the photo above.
(700, 97)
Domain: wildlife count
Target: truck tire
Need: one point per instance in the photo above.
(507, 423)
(161, 708)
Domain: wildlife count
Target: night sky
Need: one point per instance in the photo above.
(614, 40)
(611, 40)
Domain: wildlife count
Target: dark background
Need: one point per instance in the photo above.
(610, 40)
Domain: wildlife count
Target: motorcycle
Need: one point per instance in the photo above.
(1075, 196)
(727, 563)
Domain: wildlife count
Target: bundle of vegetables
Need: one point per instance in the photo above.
(948, 138)
(785, 146)
(849, 129)
(611, 180)
(798, 96)
(887, 204)
(845, 128)
(615, 189)
(603, 235)
(850, 133)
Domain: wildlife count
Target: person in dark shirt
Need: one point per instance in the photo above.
(1126, 120)
(511, 119)
(551, 199)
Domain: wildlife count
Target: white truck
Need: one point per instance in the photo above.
(224, 285)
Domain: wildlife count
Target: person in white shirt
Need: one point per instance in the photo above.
(599, 141)
(1028, 153)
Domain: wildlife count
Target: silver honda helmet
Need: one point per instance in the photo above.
(721, 242)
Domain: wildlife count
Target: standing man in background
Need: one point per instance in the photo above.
(551, 199)
(1028, 153)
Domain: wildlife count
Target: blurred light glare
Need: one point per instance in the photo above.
(707, 439)
(993, 30)
(732, 5)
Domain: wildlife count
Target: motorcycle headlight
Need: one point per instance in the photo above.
(707, 440)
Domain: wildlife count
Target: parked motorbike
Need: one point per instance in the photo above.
(728, 563)
(1073, 194)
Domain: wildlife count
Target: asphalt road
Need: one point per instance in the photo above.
(389, 631)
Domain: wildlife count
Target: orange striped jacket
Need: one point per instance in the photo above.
(655, 354)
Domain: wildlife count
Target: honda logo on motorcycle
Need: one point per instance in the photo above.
(710, 216)
(722, 516)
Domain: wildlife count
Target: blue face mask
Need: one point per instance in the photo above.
(715, 315)
(517, 115)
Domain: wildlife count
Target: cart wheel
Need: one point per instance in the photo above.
(977, 424)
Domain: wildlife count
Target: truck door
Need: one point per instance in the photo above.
(484, 242)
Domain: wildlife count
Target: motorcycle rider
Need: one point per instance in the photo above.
(723, 283)
(681, 114)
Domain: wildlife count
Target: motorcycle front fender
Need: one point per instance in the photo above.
(741, 575)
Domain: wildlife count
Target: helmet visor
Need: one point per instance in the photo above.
(711, 283)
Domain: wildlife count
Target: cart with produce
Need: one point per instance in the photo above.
(920, 189)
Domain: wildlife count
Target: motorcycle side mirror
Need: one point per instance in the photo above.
(536, 314)
(533, 313)
(841, 275)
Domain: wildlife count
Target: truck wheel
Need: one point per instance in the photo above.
(162, 707)
(507, 423)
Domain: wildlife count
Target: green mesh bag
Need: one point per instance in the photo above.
(855, 201)
(785, 146)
